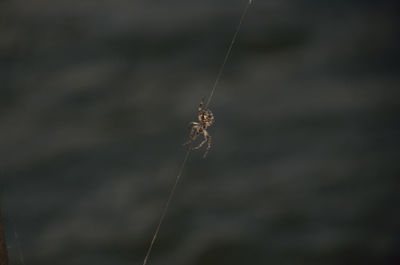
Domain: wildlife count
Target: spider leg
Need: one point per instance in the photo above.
(193, 124)
(194, 133)
(203, 142)
(208, 145)
(201, 105)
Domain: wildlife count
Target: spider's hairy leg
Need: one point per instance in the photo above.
(208, 145)
(194, 133)
(201, 105)
(206, 136)
(193, 124)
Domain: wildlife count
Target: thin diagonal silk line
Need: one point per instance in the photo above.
(171, 194)
(221, 69)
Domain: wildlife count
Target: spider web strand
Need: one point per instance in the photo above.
(228, 53)
(171, 194)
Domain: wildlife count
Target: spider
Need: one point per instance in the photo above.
(206, 119)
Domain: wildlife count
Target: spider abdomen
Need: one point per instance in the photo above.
(206, 117)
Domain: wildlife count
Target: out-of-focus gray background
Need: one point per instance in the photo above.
(95, 97)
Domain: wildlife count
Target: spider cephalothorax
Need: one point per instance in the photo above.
(206, 118)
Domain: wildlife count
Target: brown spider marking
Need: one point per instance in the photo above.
(206, 119)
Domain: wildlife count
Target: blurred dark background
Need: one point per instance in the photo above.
(95, 97)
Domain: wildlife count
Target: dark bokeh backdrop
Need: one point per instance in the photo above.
(95, 97)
